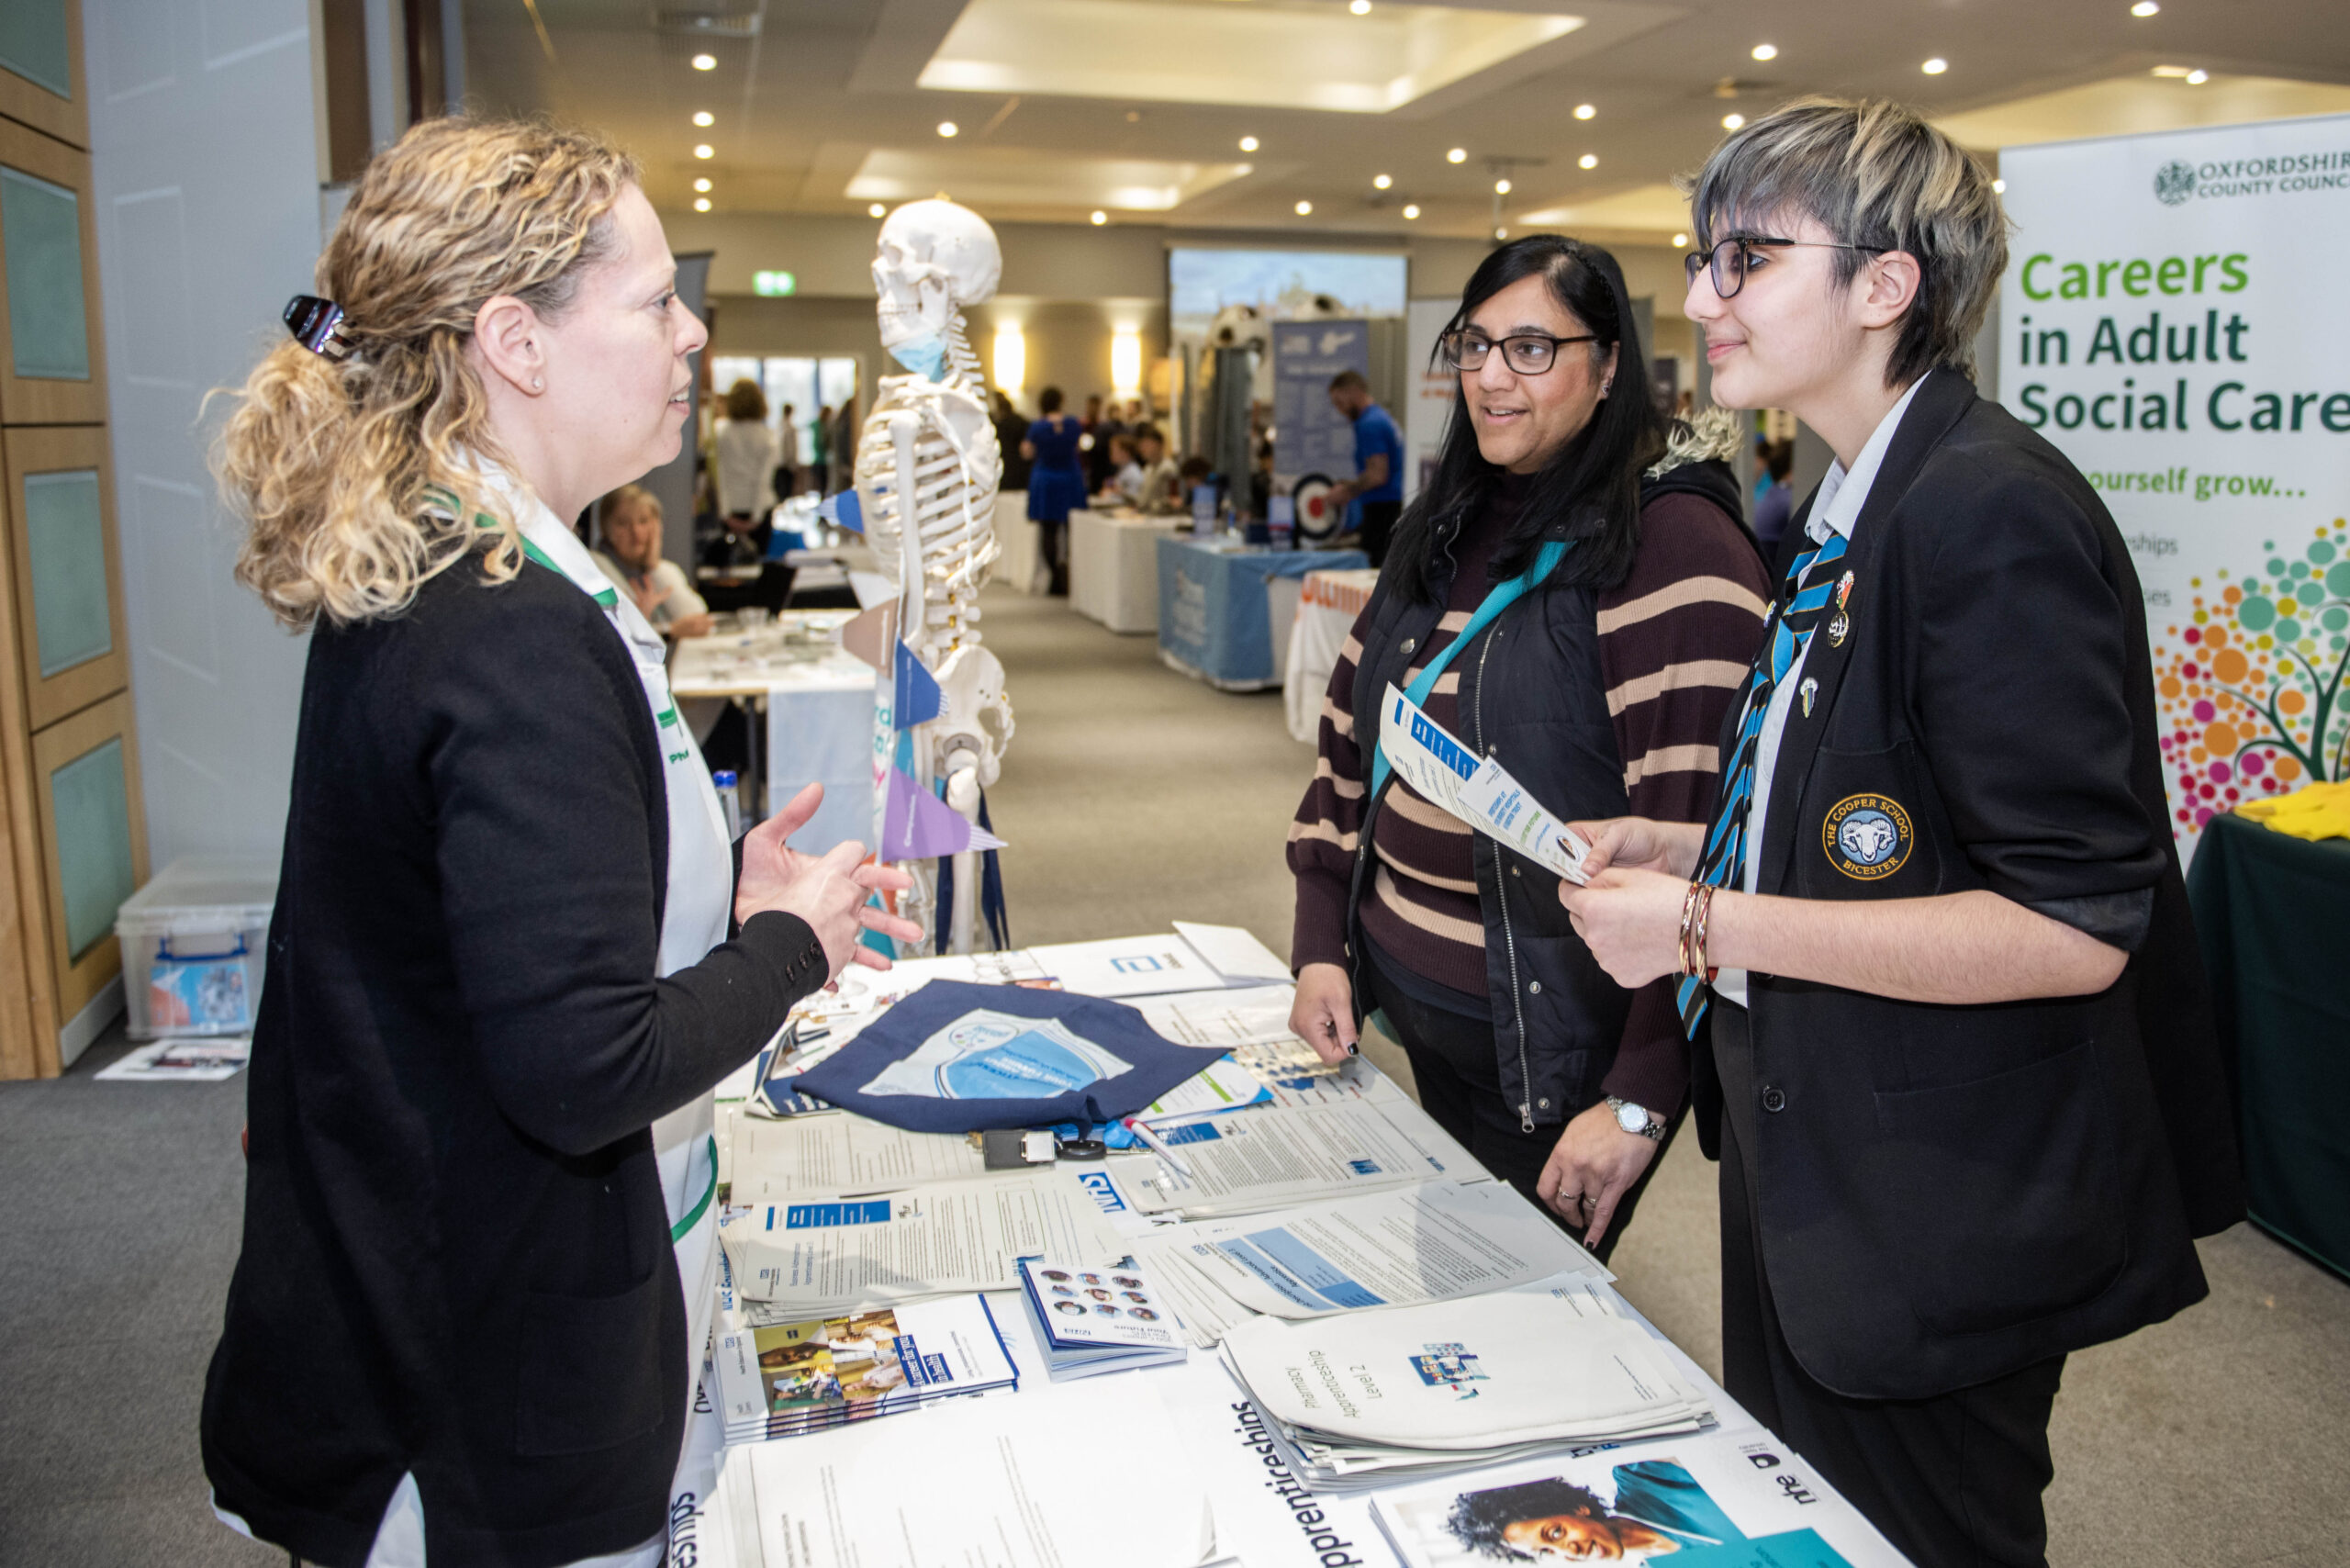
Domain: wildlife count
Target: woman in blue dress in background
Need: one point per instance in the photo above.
(1057, 483)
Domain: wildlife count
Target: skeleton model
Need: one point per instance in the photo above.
(927, 469)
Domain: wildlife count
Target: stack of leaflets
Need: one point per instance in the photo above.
(1726, 1499)
(1365, 1398)
(1092, 1319)
(795, 1378)
(1436, 1242)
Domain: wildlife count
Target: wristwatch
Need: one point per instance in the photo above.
(1635, 1119)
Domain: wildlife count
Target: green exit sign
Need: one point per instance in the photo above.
(773, 284)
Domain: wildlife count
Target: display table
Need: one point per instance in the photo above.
(1114, 567)
(2270, 910)
(1020, 566)
(1215, 615)
(811, 703)
(1327, 603)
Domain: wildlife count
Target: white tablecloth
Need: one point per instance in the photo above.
(818, 702)
(1021, 567)
(1327, 604)
(1114, 567)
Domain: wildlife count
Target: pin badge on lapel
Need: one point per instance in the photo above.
(1807, 690)
(1839, 629)
(1843, 589)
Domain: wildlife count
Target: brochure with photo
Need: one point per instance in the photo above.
(1725, 1499)
(1092, 1307)
(799, 1377)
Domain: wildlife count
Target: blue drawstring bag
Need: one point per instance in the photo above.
(956, 1058)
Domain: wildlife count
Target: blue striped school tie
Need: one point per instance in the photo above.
(1784, 638)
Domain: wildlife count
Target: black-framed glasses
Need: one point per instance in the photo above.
(1733, 258)
(1528, 354)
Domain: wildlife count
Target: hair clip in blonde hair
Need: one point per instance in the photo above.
(317, 324)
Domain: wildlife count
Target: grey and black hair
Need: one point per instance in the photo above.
(1875, 175)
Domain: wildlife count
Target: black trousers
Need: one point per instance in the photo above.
(1955, 1481)
(1378, 527)
(1461, 1089)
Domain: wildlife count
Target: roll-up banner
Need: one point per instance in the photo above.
(2173, 317)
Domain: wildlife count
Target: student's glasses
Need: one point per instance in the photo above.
(1528, 354)
(1734, 258)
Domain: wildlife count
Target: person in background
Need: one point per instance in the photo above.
(1097, 454)
(1125, 477)
(631, 559)
(1776, 503)
(747, 459)
(842, 446)
(1374, 497)
(1195, 471)
(1011, 429)
(787, 454)
(1261, 480)
(1955, 1044)
(1162, 487)
(513, 950)
(820, 451)
(1056, 482)
(1640, 602)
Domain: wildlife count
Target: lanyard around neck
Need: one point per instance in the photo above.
(1500, 597)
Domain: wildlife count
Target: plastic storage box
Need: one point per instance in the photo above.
(194, 943)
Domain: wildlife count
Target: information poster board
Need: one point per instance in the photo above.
(2169, 322)
(1433, 392)
(1309, 436)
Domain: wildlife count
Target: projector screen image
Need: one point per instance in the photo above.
(1201, 282)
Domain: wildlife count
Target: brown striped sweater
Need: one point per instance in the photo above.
(1674, 641)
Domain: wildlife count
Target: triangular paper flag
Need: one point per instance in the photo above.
(868, 634)
(843, 512)
(918, 697)
(920, 827)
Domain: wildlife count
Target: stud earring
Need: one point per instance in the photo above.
(537, 384)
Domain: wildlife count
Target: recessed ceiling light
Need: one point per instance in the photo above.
(705, 62)
(1381, 182)
(1501, 233)
(2144, 8)
(947, 128)
(1585, 111)
(2196, 78)
(1458, 155)
(1243, 168)
(1359, 7)
(1304, 208)
(1411, 210)
(701, 204)
(1765, 51)
(1935, 66)
(1100, 217)
(1247, 144)
(705, 150)
(702, 186)
(703, 117)
(1680, 240)
(1501, 187)
(1731, 122)
(1999, 186)
(877, 210)
(2177, 72)
(1589, 161)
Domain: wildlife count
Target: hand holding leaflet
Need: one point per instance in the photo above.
(1479, 792)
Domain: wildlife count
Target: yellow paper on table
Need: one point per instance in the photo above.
(2313, 811)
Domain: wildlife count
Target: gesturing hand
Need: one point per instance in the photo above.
(1324, 1014)
(828, 892)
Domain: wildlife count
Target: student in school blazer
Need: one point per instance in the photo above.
(1952, 1193)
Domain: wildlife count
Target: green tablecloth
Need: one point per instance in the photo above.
(2273, 916)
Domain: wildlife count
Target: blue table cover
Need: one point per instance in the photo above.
(1213, 617)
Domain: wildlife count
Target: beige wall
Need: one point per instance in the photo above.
(1066, 285)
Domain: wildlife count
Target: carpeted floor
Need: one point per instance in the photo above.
(1131, 797)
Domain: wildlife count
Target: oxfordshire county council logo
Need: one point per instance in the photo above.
(2250, 686)
(2175, 182)
(1867, 837)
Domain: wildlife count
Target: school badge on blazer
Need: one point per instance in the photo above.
(1867, 837)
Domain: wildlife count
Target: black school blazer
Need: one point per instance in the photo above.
(1950, 1193)
(456, 1258)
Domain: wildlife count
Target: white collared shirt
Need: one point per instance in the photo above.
(1841, 496)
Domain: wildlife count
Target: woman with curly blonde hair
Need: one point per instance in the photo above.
(512, 950)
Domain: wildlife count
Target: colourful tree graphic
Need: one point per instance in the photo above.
(2251, 688)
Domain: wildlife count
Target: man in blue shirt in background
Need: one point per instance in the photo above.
(1374, 497)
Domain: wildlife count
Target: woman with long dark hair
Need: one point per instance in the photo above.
(1576, 579)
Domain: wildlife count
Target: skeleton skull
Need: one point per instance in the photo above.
(934, 258)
